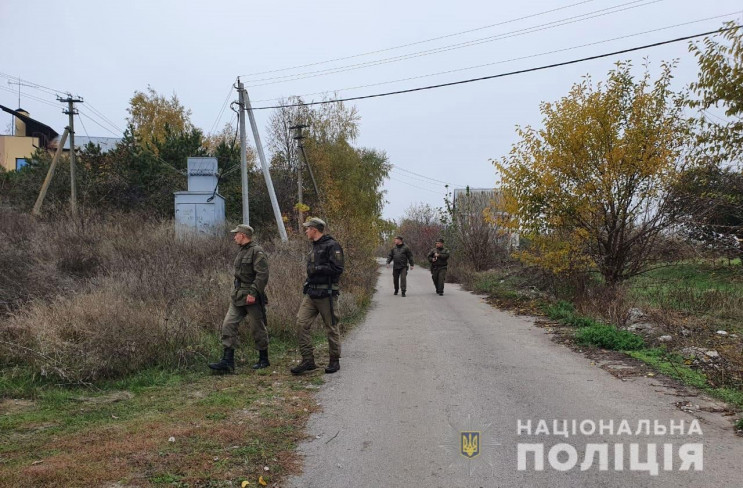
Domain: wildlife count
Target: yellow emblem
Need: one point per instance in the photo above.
(470, 444)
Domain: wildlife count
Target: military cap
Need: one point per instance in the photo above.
(399, 237)
(440, 239)
(244, 228)
(315, 222)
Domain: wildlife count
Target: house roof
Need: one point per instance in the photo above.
(34, 128)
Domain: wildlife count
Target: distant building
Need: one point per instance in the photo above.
(31, 134)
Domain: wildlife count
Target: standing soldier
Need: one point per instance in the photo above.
(248, 299)
(438, 258)
(324, 268)
(400, 256)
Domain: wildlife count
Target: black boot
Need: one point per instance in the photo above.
(403, 293)
(334, 365)
(395, 292)
(262, 360)
(227, 364)
(304, 366)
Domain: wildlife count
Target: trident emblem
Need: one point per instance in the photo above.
(470, 444)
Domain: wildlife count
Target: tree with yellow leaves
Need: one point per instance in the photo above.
(589, 189)
(153, 115)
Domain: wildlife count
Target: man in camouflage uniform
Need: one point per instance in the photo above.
(324, 268)
(400, 256)
(438, 257)
(248, 299)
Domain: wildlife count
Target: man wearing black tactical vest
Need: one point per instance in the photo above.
(324, 268)
(248, 299)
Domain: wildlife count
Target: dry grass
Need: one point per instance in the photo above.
(95, 298)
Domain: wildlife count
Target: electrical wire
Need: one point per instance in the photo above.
(83, 124)
(97, 123)
(48, 90)
(520, 58)
(520, 32)
(32, 97)
(102, 117)
(502, 75)
(221, 110)
(414, 186)
(434, 180)
(419, 42)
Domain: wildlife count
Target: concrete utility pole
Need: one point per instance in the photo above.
(49, 174)
(266, 173)
(243, 156)
(299, 138)
(300, 195)
(71, 111)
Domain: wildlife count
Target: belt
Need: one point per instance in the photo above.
(323, 286)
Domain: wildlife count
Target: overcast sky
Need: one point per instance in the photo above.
(103, 51)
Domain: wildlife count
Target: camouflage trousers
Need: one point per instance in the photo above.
(232, 320)
(439, 278)
(308, 310)
(400, 278)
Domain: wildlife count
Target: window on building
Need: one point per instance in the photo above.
(20, 163)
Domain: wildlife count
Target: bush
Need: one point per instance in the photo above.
(608, 337)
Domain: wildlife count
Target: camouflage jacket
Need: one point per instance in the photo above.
(441, 260)
(400, 256)
(251, 274)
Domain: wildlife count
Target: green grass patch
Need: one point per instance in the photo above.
(710, 290)
(564, 312)
(609, 337)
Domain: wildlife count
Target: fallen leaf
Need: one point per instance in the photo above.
(245, 483)
(260, 480)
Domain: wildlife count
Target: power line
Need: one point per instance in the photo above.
(97, 123)
(419, 42)
(415, 186)
(221, 110)
(502, 75)
(520, 58)
(32, 97)
(103, 117)
(396, 167)
(50, 91)
(520, 32)
(83, 124)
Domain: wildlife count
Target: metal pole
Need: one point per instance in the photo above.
(266, 173)
(49, 174)
(243, 155)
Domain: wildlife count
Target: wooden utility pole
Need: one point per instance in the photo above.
(71, 111)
